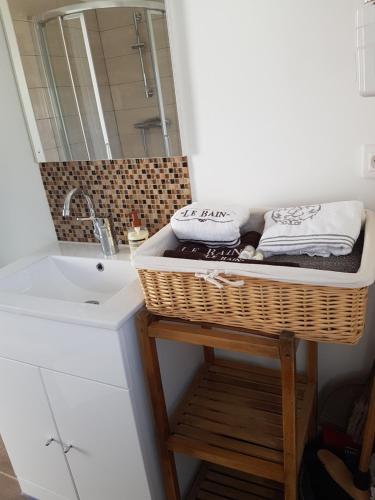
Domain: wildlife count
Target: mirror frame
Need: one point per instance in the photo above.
(19, 73)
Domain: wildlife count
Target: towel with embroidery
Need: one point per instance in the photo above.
(210, 224)
(315, 230)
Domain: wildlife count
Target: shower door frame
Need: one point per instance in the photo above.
(77, 11)
(52, 87)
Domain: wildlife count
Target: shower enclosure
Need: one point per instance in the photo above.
(109, 77)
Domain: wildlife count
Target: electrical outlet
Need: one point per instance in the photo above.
(368, 161)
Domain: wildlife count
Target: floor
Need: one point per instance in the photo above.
(9, 489)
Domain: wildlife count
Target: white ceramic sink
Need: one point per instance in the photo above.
(72, 282)
(74, 279)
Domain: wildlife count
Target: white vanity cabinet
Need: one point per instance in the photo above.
(71, 371)
(95, 453)
(27, 425)
(98, 422)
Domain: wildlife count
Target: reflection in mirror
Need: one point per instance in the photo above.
(100, 79)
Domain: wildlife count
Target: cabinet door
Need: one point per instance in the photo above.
(97, 421)
(26, 423)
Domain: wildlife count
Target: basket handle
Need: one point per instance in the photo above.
(214, 278)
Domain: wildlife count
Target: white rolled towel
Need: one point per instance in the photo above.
(210, 224)
(315, 230)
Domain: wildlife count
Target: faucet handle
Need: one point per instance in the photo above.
(92, 219)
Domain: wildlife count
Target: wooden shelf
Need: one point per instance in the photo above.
(232, 415)
(214, 482)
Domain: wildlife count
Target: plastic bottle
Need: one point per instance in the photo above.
(137, 233)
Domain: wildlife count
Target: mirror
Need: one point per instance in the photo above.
(99, 78)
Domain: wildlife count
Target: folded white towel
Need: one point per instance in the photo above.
(321, 230)
(210, 224)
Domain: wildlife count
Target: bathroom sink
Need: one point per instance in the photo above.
(72, 282)
(73, 279)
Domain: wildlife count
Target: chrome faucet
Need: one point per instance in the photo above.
(103, 227)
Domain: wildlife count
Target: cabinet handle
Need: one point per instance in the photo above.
(49, 441)
(67, 448)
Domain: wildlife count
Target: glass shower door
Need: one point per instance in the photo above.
(164, 85)
(70, 69)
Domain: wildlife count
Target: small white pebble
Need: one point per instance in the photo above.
(247, 252)
(258, 256)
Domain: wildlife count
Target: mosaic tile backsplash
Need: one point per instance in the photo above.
(155, 187)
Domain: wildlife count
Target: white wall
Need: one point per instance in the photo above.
(271, 113)
(25, 221)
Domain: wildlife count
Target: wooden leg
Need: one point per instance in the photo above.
(312, 377)
(152, 371)
(288, 387)
(209, 355)
(368, 433)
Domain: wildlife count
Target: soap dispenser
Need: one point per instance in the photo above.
(137, 233)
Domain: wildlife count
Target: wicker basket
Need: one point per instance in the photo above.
(317, 305)
(317, 313)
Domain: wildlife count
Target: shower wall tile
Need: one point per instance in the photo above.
(46, 133)
(127, 69)
(106, 97)
(114, 18)
(40, 102)
(127, 118)
(118, 41)
(95, 43)
(116, 148)
(34, 76)
(91, 20)
(155, 187)
(26, 38)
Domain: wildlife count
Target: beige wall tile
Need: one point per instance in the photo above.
(132, 146)
(116, 148)
(67, 101)
(33, 71)
(74, 130)
(119, 41)
(41, 103)
(60, 71)
(95, 44)
(54, 39)
(74, 40)
(115, 17)
(164, 62)
(132, 95)
(111, 123)
(26, 38)
(79, 151)
(81, 71)
(160, 31)
(127, 118)
(46, 133)
(106, 97)
(52, 154)
(25, 9)
(91, 20)
(101, 71)
(127, 69)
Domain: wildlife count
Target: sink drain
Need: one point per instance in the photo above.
(95, 302)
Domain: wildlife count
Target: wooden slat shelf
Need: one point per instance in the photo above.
(233, 411)
(247, 424)
(214, 482)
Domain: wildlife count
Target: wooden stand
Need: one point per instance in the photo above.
(247, 424)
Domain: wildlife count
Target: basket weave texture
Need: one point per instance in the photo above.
(316, 313)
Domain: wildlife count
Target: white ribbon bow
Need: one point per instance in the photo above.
(214, 278)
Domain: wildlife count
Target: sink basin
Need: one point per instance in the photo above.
(72, 279)
(72, 283)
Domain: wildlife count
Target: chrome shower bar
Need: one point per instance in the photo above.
(137, 17)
